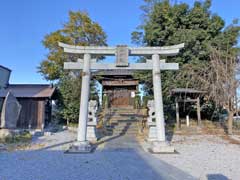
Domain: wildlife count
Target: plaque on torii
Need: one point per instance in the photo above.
(121, 52)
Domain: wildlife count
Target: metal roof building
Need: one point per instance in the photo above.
(29, 90)
(4, 76)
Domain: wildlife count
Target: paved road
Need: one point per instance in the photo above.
(120, 159)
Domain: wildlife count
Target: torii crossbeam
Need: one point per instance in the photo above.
(121, 52)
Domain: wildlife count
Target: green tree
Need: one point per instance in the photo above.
(69, 97)
(166, 23)
(78, 30)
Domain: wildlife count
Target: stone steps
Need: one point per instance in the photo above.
(121, 117)
(130, 112)
(125, 128)
(123, 111)
(122, 122)
(126, 120)
(122, 129)
(134, 127)
(121, 133)
(132, 118)
(124, 132)
(117, 121)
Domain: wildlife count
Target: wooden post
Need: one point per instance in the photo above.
(187, 121)
(198, 111)
(177, 115)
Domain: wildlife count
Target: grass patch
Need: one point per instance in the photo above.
(73, 124)
(236, 125)
(23, 137)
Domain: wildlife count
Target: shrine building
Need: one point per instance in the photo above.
(119, 86)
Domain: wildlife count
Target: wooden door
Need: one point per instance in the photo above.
(120, 97)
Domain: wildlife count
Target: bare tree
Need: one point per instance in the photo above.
(222, 83)
(219, 78)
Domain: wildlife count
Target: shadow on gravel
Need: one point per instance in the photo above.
(216, 177)
(117, 165)
(111, 138)
(55, 145)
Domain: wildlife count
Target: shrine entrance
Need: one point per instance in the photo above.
(119, 86)
(122, 53)
(120, 97)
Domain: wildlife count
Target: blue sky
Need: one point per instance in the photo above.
(25, 22)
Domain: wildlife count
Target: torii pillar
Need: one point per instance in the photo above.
(161, 145)
(82, 144)
(122, 53)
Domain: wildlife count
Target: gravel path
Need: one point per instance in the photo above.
(121, 158)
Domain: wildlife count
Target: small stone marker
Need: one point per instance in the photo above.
(10, 112)
(187, 121)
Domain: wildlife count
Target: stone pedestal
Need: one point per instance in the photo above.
(152, 133)
(92, 133)
(92, 121)
(161, 147)
(80, 147)
(152, 130)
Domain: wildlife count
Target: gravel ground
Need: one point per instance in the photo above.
(121, 158)
(205, 157)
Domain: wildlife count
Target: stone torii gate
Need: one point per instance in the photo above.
(121, 52)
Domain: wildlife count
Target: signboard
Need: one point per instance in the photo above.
(132, 94)
(122, 56)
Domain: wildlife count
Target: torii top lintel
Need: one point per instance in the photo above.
(133, 51)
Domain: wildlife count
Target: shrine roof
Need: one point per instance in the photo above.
(29, 90)
(186, 91)
(117, 72)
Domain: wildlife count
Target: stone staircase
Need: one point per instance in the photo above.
(122, 122)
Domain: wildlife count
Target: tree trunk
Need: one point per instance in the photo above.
(230, 122)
